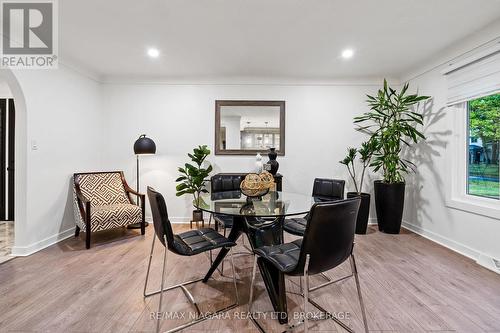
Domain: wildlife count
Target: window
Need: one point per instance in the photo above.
(484, 147)
(473, 100)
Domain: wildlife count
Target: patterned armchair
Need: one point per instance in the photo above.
(102, 200)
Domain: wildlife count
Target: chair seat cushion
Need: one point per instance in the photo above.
(295, 226)
(283, 256)
(224, 220)
(197, 241)
(113, 216)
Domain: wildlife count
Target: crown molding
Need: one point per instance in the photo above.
(244, 81)
(79, 69)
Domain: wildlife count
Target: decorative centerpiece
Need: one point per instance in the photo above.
(257, 185)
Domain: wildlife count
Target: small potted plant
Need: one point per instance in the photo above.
(393, 121)
(366, 152)
(193, 177)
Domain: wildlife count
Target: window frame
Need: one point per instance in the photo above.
(457, 196)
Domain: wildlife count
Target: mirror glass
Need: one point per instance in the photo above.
(248, 127)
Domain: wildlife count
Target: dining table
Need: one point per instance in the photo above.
(261, 220)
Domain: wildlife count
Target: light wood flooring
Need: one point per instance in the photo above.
(6, 240)
(409, 284)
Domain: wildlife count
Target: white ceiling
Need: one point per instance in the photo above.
(294, 39)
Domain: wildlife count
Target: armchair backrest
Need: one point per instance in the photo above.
(226, 182)
(328, 189)
(102, 188)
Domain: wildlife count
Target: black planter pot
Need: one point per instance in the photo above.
(197, 215)
(389, 202)
(364, 211)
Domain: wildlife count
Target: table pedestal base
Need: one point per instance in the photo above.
(260, 233)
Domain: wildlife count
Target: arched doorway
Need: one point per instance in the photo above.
(8, 78)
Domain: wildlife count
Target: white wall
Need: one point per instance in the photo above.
(233, 134)
(4, 90)
(319, 128)
(474, 235)
(64, 118)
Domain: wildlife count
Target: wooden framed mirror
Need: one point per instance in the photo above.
(249, 127)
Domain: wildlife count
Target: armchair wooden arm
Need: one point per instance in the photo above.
(140, 196)
(84, 212)
(134, 192)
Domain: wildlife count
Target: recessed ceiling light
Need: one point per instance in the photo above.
(153, 53)
(347, 53)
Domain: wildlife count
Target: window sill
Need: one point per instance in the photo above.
(474, 205)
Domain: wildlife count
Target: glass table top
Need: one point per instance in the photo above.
(272, 204)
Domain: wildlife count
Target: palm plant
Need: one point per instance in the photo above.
(193, 177)
(366, 152)
(392, 123)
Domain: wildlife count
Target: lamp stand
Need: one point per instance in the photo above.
(137, 225)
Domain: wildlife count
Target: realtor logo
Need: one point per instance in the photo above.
(29, 34)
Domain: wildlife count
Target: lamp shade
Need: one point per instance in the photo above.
(144, 145)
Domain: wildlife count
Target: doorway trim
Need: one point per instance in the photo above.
(20, 172)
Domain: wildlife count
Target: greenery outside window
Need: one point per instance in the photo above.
(483, 147)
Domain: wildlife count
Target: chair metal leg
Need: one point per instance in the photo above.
(201, 316)
(254, 270)
(305, 289)
(361, 303)
(234, 278)
(159, 316)
(149, 266)
(222, 263)
(306, 293)
(77, 231)
(250, 299)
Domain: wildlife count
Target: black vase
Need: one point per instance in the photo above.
(364, 211)
(389, 202)
(272, 161)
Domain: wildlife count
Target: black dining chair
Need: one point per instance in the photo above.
(328, 241)
(188, 243)
(323, 190)
(224, 183)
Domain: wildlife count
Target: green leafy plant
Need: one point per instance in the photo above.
(366, 152)
(193, 177)
(484, 120)
(392, 122)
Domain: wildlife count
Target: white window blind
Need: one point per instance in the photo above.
(474, 77)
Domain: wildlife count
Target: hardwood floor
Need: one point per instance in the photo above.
(6, 240)
(409, 284)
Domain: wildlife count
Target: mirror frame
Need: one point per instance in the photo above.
(219, 103)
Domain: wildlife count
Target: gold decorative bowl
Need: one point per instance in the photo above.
(257, 185)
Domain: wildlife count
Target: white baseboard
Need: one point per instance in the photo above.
(479, 257)
(21, 251)
(179, 220)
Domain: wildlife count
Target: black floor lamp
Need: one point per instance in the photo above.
(142, 146)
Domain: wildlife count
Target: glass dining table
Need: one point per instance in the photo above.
(261, 220)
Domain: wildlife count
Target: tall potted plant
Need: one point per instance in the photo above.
(193, 177)
(366, 152)
(392, 122)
